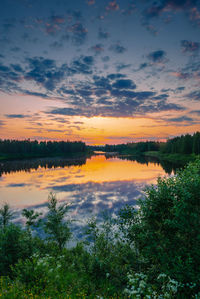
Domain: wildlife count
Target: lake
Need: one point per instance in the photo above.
(89, 185)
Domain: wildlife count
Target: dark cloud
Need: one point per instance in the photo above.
(17, 68)
(116, 97)
(112, 6)
(1, 123)
(78, 33)
(105, 58)
(191, 71)
(8, 76)
(124, 84)
(163, 96)
(16, 115)
(122, 66)
(157, 56)
(181, 75)
(194, 95)
(158, 7)
(53, 24)
(190, 47)
(115, 76)
(103, 34)
(36, 94)
(97, 49)
(142, 66)
(44, 72)
(179, 89)
(180, 119)
(90, 2)
(57, 45)
(82, 65)
(17, 185)
(195, 112)
(117, 48)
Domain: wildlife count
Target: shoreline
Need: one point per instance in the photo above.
(10, 157)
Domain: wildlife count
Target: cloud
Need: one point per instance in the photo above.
(195, 112)
(105, 58)
(115, 76)
(17, 68)
(78, 33)
(44, 72)
(158, 56)
(82, 65)
(113, 96)
(194, 95)
(181, 75)
(16, 115)
(90, 2)
(168, 8)
(9, 78)
(20, 185)
(53, 24)
(162, 6)
(121, 66)
(190, 47)
(181, 119)
(112, 6)
(57, 45)
(194, 15)
(117, 48)
(97, 49)
(124, 84)
(103, 34)
(1, 123)
(36, 94)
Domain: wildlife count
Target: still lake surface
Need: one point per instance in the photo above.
(90, 186)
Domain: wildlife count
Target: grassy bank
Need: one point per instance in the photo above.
(174, 158)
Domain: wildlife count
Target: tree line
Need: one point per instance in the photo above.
(184, 144)
(29, 147)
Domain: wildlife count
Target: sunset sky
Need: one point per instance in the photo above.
(99, 71)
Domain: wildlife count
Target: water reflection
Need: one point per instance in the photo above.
(34, 164)
(89, 186)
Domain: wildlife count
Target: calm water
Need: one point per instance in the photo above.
(90, 186)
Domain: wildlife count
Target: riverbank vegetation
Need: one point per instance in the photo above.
(149, 252)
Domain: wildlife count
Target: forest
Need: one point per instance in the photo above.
(182, 145)
(152, 251)
(44, 148)
(185, 144)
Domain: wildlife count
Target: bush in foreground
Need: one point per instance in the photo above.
(152, 252)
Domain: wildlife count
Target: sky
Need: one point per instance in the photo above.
(100, 71)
